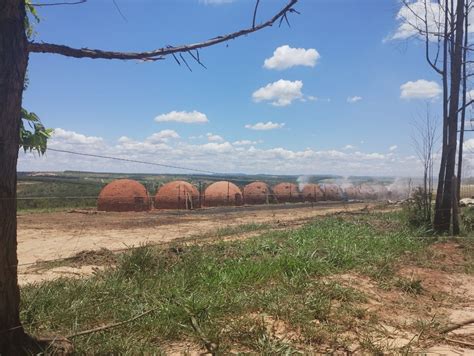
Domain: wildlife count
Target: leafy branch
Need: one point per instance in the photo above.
(34, 138)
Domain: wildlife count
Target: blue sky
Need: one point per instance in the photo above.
(109, 107)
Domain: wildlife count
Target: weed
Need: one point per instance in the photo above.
(409, 285)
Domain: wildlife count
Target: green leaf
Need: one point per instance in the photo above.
(35, 139)
(30, 12)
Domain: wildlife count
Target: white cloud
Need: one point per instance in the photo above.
(214, 138)
(187, 117)
(420, 89)
(215, 2)
(162, 136)
(393, 148)
(124, 139)
(286, 57)
(279, 93)
(244, 143)
(264, 126)
(70, 137)
(354, 99)
(469, 144)
(217, 147)
(412, 18)
(470, 95)
(240, 156)
(349, 147)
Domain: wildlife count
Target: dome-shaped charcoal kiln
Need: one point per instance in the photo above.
(123, 195)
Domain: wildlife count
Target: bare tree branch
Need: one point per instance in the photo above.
(196, 58)
(470, 102)
(186, 63)
(255, 13)
(60, 3)
(427, 45)
(159, 53)
(426, 33)
(114, 325)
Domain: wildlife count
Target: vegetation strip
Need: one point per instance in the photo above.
(228, 288)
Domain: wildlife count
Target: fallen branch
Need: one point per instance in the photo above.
(465, 343)
(457, 326)
(210, 346)
(110, 326)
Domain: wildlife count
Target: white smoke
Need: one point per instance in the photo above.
(399, 189)
(302, 181)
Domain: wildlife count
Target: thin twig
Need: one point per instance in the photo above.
(184, 60)
(255, 13)
(176, 59)
(114, 325)
(196, 58)
(210, 346)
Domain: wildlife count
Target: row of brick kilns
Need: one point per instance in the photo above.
(130, 195)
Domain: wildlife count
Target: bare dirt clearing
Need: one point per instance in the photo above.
(58, 235)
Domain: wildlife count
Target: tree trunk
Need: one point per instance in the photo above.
(455, 207)
(439, 221)
(443, 213)
(13, 63)
(449, 195)
(464, 98)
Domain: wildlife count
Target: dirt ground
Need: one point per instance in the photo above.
(396, 321)
(52, 236)
(437, 320)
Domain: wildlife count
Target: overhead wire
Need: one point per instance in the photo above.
(133, 161)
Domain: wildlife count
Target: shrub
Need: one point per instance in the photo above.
(418, 209)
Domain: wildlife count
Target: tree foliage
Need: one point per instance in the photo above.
(33, 135)
(31, 14)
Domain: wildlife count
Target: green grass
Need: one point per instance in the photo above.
(234, 230)
(218, 294)
(409, 285)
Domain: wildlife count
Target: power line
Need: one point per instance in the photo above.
(133, 161)
(219, 174)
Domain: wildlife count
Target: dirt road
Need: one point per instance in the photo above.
(50, 236)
